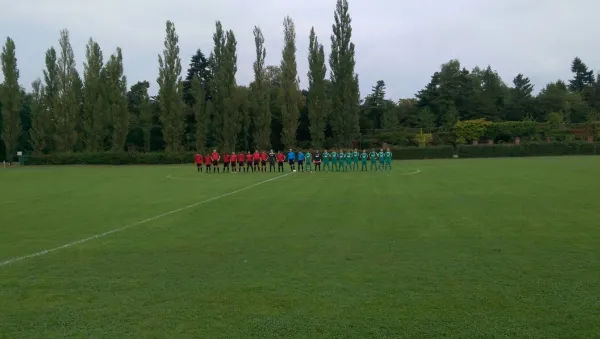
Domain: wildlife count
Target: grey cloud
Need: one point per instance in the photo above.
(401, 43)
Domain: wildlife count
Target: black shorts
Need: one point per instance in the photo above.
(280, 163)
(208, 164)
(263, 162)
(291, 162)
(199, 164)
(300, 162)
(225, 164)
(240, 164)
(255, 162)
(215, 162)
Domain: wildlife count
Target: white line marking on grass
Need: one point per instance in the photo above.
(178, 178)
(101, 235)
(411, 173)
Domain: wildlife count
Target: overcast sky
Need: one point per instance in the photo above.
(401, 42)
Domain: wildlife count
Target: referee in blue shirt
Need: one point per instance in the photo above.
(291, 159)
(300, 161)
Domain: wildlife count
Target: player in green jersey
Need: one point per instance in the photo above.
(342, 158)
(373, 157)
(355, 156)
(363, 160)
(334, 160)
(349, 160)
(381, 157)
(326, 161)
(388, 160)
(308, 161)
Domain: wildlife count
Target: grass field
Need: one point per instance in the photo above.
(485, 248)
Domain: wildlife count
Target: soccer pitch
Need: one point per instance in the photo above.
(482, 248)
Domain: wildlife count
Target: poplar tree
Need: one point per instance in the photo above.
(227, 119)
(261, 95)
(316, 90)
(50, 100)
(231, 117)
(116, 95)
(10, 96)
(170, 91)
(38, 133)
(345, 95)
(94, 119)
(219, 88)
(290, 96)
(66, 106)
(199, 108)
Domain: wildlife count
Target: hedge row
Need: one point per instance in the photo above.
(528, 150)
(400, 153)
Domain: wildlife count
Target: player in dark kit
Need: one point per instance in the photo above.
(198, 159)
(233, 159)
(240, 159)
(256, 160)
(280, 160)
(300, 161)
(249, 158)
(272, 161)
(226, 163)
(318, 158)
(207, 162)
(215, 157)
(263, 161)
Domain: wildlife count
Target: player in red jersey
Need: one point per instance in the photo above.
(280, 160)
(263, 161)
(215, 157)
(241, 157)
(256, 160)
(249, 159)
(198, 159)
(207, 162)
(226, 162)
(233, 159)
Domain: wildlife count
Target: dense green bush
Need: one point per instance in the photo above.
(111, 158)
(528, 149)
(509, 130)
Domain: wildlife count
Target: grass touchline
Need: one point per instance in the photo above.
(119, 229)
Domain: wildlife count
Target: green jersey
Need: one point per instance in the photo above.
(388, 155)
(364, 156)
(373, 156)
(334, 156)
(381, 155)
(341, 156)
(348, 157)
(326, 157)
(355, 155)
(307, 155)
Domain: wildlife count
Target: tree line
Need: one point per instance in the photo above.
(205, 108)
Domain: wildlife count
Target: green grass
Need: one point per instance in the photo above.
(498, 248)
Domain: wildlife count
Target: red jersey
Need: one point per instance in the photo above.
(198, 158)
(226, 158)
(207, 160)
(256, 156)
(280, 157)
(248, 157)
(241, 157)
(215, 156)
(233, 157)
(264, 156)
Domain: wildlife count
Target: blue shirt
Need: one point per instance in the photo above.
(291, 156)
(300, 156)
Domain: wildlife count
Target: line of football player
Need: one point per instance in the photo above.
(341, 161)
